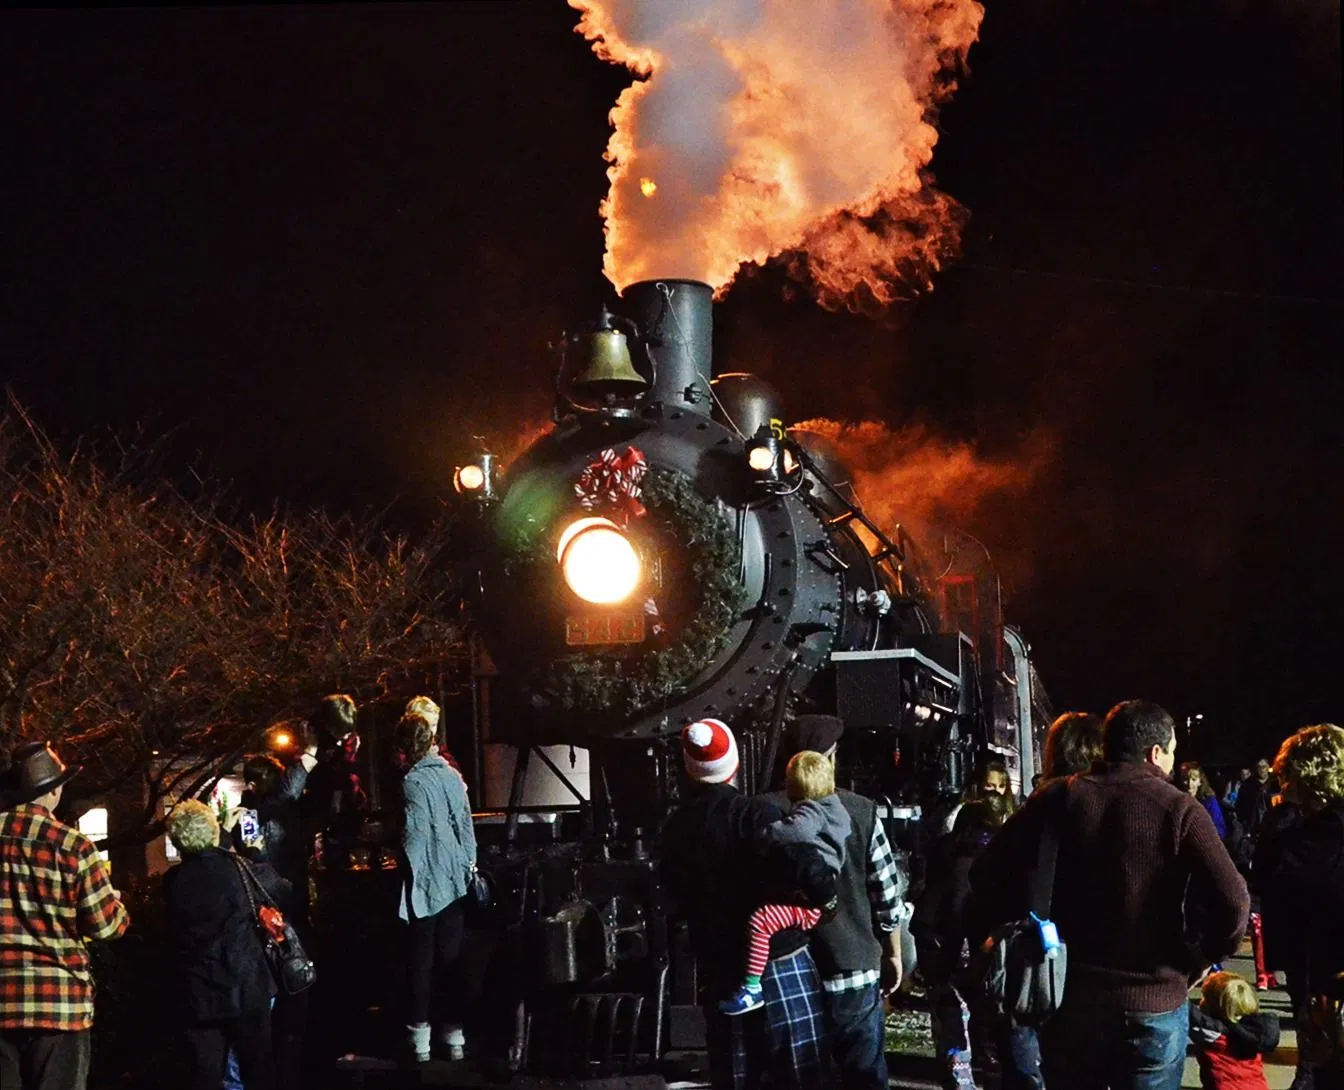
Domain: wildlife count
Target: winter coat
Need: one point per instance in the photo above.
(217, 967)
(439, 841)
(1299, 875)
(1229, 1052)
(822, 823)
(1216, 813)
(1131, 847)
(286, 848)
(716, 868)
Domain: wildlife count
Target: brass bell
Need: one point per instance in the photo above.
(607, 367)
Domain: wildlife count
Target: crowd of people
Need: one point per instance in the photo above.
(1149, 895)
(243, 875)
(796, 906)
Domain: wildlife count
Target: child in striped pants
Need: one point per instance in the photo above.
(818, 820)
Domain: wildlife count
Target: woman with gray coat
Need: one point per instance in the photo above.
(439, 846)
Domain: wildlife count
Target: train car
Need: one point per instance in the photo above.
(672, 550)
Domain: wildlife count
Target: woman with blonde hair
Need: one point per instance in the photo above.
(1300, 878)
(439, 849)
(221, 980)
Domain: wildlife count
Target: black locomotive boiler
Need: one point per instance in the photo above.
(668, 551)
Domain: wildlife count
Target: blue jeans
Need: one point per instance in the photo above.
(1020, 1057)
(858, 1027)
(1087, 1047)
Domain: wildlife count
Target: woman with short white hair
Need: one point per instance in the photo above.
(222, 982)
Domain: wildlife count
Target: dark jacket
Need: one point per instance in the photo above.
(334, 802)
(286, 847)
(1252, 803)
(217, 966)
(940, 914)
(1229, 1052)
(1135, 853)
(1299, 874)
(716, 867)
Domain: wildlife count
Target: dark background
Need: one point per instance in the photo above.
(324, 247)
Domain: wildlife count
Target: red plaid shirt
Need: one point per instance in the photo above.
(55, 895)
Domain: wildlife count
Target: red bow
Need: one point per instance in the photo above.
(613, 481)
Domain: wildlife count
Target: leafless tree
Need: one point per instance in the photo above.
(154, 638)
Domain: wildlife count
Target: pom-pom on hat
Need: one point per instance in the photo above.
(710, 751)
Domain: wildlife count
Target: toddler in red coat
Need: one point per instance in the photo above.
(1231, 1034)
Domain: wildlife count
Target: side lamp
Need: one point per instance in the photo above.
(476, 479)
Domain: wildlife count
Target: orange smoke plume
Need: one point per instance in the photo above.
(920, 480)
(775, 126)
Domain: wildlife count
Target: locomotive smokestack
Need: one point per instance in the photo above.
(676, 317)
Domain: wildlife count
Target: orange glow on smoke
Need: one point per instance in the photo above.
(776, 127)
(648, 186)
(916, 478)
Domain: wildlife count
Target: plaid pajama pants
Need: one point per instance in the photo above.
(786, 1040)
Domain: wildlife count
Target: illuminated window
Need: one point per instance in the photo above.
(93, 824)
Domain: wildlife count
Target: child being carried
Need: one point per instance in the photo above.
(818, 823)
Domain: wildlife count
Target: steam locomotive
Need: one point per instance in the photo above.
(669, 551)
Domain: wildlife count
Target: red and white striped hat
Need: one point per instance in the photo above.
(710, 751)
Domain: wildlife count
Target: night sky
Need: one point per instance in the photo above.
(320, 248)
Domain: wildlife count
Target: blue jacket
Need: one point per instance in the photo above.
(439, 841)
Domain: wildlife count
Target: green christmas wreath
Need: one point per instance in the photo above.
(604, 686)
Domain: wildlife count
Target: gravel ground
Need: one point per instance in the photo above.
(910, 1033)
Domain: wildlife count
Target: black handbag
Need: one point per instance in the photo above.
(1022, 973)
(480, 898)
(291, 966)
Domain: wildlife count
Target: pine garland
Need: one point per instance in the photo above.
(603, 686)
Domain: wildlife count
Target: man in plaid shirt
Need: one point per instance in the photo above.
(55, 896)
(858, 951)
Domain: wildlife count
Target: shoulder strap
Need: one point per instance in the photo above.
(1047, 853)
(251, 884)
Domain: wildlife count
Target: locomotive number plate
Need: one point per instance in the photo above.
(598, 628)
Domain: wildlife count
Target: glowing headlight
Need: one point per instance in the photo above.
(469, 478)
(599, 562)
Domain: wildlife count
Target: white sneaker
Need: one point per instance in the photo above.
(418, 1038)
(449, 1037)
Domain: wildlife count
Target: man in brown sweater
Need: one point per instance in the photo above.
(1145, 896)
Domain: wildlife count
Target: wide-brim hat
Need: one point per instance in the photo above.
(35, 769)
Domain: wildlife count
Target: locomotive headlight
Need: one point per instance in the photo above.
(598, 561)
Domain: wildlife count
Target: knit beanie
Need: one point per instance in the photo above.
(710, 751)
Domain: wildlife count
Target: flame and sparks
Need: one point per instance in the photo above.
(779, 127)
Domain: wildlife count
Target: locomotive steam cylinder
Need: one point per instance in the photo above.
(676, 319)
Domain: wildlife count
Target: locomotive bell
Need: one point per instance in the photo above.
(607, 367)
